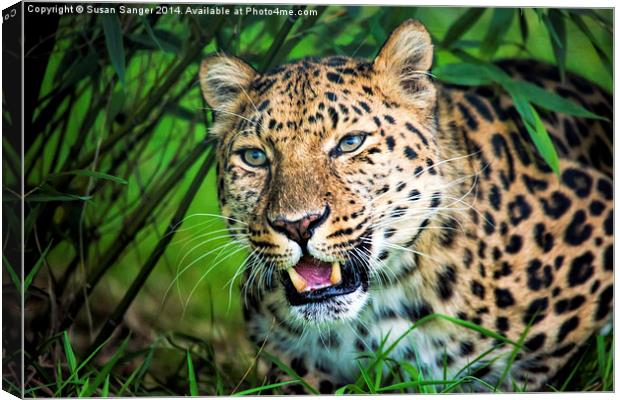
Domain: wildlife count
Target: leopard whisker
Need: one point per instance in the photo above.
(205, 275)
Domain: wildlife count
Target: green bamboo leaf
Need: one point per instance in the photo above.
(465, 74)
(36, 268)
(91, 174)
(83, 67)
(551, 101)
(462, 25)
(500, 23)
(583, 27)
(193, 385)
(556, 25)
(43, 197)
(71, 360)
(14, 277)
(115, 106)
(10, 155)
(603, 18)
(114, 43)
(523, 26)
(537, 131)
(150, 32)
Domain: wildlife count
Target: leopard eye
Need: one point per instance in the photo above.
(254, 157)
(351, 143)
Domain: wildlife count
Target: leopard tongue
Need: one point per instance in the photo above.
(314, 275)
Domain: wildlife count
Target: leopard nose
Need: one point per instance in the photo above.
(299, 230)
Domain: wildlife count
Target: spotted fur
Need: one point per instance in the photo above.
(447, 203)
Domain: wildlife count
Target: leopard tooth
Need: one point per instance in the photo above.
(336, 275)
(299, 282)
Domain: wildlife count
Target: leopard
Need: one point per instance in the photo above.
(382, 208)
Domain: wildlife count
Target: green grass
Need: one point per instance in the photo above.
(132, 372)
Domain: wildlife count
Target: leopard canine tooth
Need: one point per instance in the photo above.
(336, 275)
(299, 282)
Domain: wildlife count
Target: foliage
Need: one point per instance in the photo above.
(120, 206)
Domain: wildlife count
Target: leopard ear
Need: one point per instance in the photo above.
(404, 61)
(224, 80)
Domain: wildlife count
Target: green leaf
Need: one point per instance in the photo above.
(583, 27)
(115, 106)
(105, 391)
(551, 101)
(61, 385)
(150, 32)
(83, 67)
(265, 387)
(36, 268)
(500, 23)
(43, 197)
(556, 25)
(366, 377)
(462, 25)
(465, 74)
(193, 385)
(537, 131)
(600, 352)
(289, 371)
(84, 388)
(91, 174)
(114, 43)
(523, 27)
(71, 360)
(105, 371)
(14, 278)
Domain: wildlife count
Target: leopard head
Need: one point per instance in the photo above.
(327, 168)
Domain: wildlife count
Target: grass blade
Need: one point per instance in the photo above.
(265, 387)
(71, 360)
(193, 385)
(105, 391)
(105, 371)
(35, 269)
(14, 278)
(290, 372)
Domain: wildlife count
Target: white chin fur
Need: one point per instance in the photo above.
(340, 308)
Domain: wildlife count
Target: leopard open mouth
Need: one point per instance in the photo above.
(312, 280)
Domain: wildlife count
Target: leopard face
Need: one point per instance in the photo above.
(326, 167)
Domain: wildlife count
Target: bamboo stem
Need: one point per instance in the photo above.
(280, 38)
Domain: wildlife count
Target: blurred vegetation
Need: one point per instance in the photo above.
(120, 185)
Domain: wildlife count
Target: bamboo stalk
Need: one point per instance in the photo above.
(280, 38)
(118, 314)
